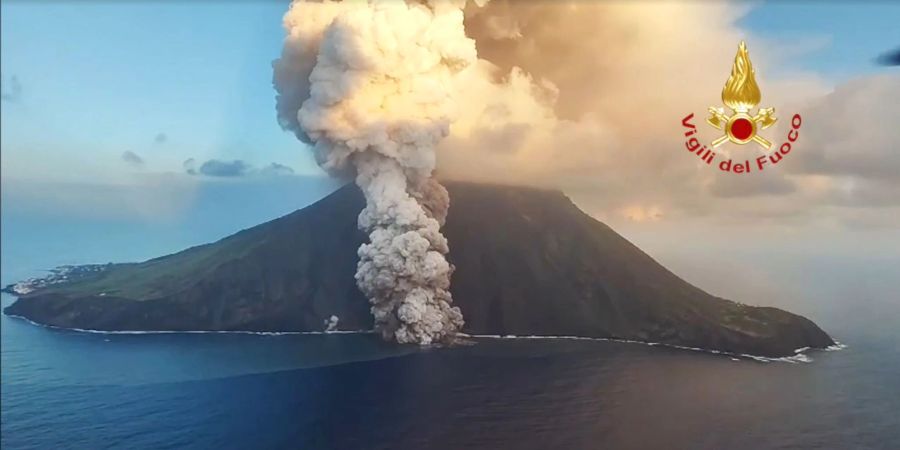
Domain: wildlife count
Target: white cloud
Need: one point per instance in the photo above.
(596, 112)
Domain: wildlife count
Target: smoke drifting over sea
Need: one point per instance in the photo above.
(369, 86)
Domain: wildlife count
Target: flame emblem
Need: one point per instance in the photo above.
(741, 94)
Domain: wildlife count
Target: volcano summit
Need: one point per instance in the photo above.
(527, 262)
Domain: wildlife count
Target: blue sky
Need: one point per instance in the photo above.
(109, 78)
(849, 35)
(100, 78)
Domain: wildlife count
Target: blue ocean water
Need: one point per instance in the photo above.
(64, 389)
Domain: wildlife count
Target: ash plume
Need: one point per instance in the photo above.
(369, 86)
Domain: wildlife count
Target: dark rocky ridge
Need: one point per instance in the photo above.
(528, 262)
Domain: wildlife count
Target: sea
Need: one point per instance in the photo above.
(78, 390)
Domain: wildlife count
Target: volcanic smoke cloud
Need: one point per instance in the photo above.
(367, 84)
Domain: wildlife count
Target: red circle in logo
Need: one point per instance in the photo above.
(742, 129)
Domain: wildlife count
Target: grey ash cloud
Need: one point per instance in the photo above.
(764, 183)
(852, 137)
(132, 158)
(190, 166)
(890, 58)
(219, 168)
(277, 169)
(233, 169)
(12, 91)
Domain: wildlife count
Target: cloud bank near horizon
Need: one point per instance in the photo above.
(233, 169)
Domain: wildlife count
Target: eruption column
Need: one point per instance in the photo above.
(368, 85)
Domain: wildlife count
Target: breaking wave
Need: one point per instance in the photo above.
(260, 333)
(799, 356)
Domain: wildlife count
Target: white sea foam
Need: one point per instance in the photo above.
(837, 346)
(258, 333)
(799, 357)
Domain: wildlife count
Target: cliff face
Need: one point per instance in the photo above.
(528, 262)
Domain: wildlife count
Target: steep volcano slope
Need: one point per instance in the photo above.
(528, 261)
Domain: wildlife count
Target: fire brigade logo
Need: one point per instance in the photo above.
(741, 94)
